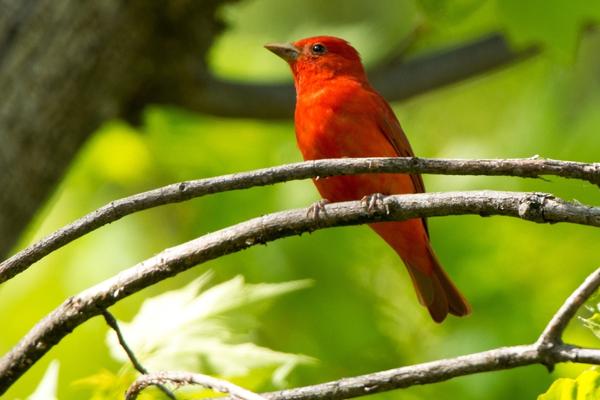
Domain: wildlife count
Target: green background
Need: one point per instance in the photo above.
(360, 315)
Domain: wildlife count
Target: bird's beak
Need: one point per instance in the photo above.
(287, 51)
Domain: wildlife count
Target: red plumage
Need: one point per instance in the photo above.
(338, 114)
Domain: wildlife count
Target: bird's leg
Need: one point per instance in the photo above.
(317, 208)
(375, 202)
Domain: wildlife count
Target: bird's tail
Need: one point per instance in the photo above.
(435, 290)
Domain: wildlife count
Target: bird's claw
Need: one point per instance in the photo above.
(318, 207)
(375, 202)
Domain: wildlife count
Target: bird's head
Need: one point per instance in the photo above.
(319, 58)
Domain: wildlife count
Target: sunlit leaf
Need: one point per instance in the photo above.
(593, 321)
(210, 331)
(585, 387)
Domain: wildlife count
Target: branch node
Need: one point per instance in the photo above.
(317, 210)
(547, 352)
(531, 208)
(594, 172)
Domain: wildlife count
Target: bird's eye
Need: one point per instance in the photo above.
(318, 49)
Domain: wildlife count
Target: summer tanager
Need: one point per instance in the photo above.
(338, 114)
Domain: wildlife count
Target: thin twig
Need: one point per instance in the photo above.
(536, 207)
(435, 371)
(112, 322)
(188, 378)
(527, 168)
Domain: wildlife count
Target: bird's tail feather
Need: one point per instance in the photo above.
(436, 291)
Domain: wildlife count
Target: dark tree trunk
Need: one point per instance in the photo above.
(67, 65)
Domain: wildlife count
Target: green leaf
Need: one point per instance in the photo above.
(585, 387)
(207, 330)
(593, 321)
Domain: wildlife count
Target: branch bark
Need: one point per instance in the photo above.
(177, 192)
(187, 378)
(536, 207)
(553, 333)
(438, 371)
(547, 350)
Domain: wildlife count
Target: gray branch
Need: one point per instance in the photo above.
(178, 192)
(547, 350)
(187, 378)
(536, 207)
(553, 332)
(437, 371)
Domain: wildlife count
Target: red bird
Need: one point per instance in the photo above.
(338, 114)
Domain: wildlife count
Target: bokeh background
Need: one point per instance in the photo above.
(360, 314)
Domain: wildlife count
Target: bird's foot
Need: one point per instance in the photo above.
(375, 202)
(318, 207)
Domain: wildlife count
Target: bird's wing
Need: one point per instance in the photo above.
(389, 125)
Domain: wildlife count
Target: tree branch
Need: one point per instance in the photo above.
(536, 207)
(177, 192)
(547, 350)
(553, 332)
(399, 80)
(436, 371)
(187, 378)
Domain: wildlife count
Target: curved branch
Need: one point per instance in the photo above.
(430, 372)
(177, 192)
(553, 332)
(536, 207)
(547, 350)
(187, 378)
(396, 81)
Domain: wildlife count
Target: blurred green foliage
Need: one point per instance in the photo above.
(209, 332)
(361, 315)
